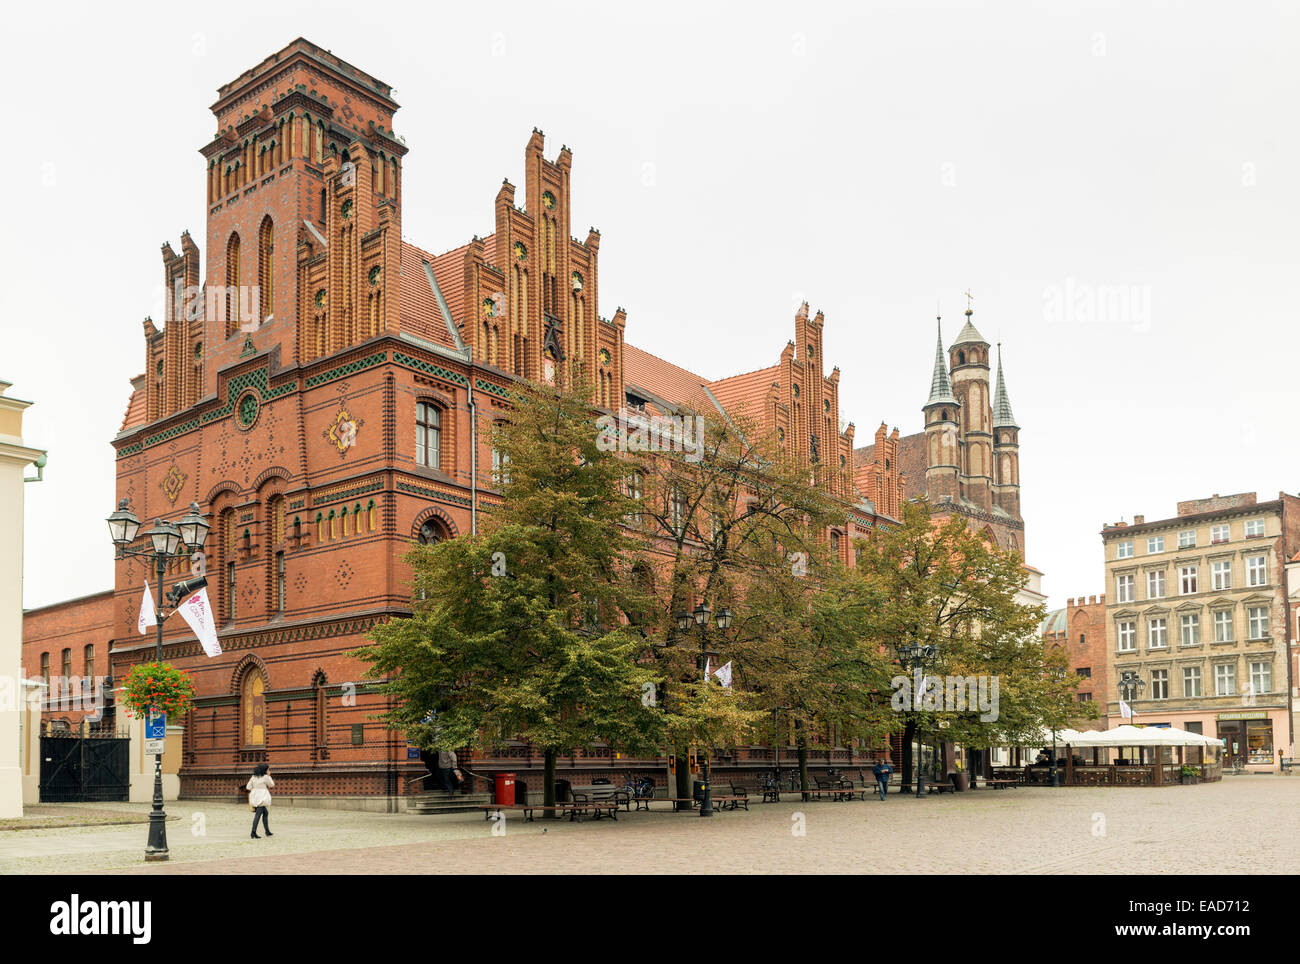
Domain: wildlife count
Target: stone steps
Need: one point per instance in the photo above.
(434, 803)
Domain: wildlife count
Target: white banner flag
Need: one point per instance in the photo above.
(148, 615)
(706, 669)
(197, 611)
(1125, 711)
(723, 673)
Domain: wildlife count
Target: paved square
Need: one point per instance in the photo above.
(1248, 824)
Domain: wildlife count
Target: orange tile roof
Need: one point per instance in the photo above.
(668, 381)
(743, 396)
(135, 406)
(421, 314)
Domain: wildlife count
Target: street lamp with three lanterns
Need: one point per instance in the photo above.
(165, 540)
(721, 619)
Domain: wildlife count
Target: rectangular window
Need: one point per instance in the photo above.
(1157, 633)
(1156, 584)
(428, 435)
(1084, 671)
(1190, 629)
(1221, 573)
(1225, 680)
(1261, 678)
(635, 492)
(1124, 587)
(279, 581)
(45, 668)
(1186, 580)
(1254, 528)
(1160, 684)
(1156, 544)
(230, 591)
(1187, 539)
(1219, 533)
(1124, 550)
(1127, 637)
(1256, 571)
(1257, 618)
(89, 667)
(500, 468)
(1223, 626)
(1191, 681)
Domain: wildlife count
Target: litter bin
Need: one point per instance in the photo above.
(697, 791)
(505, 789)
(562, 791)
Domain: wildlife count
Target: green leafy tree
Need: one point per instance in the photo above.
(934, 583)
(519, 632)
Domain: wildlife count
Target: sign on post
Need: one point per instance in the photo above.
(155, 733)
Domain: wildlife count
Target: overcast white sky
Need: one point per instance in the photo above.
(738, 159)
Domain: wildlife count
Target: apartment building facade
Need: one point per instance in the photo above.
(1197, 609)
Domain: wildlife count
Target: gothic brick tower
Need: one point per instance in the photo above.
(1006, 449)
(969, 358)
(943, 414)
(280, 235)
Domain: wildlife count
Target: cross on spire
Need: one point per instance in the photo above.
(969, 298)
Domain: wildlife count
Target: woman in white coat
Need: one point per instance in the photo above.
(259, 797)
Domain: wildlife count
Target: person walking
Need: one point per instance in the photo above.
(881, 772)
(447, 770)
(259, 797)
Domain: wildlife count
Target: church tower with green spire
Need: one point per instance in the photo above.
(969, 356)
(1006, 449)
(942, 439)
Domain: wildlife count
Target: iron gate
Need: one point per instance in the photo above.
(77, 768)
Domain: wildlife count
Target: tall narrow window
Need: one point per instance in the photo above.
(428, 435)
(266, 267)
(231, 299)
(253, 708)
(45, 668)
(88, 666)
(230, 591)
(279, 581)
(67, 666)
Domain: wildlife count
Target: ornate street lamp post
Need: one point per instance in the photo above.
(164, 545)
(912, 658)
(701, 619)
(1131, 686)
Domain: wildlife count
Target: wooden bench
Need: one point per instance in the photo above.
(1001, 784)
(599, 792)
(936, 787)
(719, 801)
(575, 809)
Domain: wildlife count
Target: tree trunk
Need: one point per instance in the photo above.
(548, 782)
(803, 765)
(684, 787)
(906, 768)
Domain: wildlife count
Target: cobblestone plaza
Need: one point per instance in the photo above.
(1244, 825)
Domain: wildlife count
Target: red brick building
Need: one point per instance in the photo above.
(1080, 630)
(321, 389)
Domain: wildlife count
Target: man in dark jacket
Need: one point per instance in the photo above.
(881, 772)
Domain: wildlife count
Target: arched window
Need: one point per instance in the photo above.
(88, 669)
(961, 358)
(266, 266)
(67, 666)
(431, 532)
(232, 285)
(322, 715)
(428, 435)
(252, 708)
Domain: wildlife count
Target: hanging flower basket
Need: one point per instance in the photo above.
(158, 688)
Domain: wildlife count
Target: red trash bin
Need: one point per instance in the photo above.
(505, 789)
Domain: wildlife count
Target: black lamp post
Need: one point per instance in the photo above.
(701, 619)
(164, 545)
(912, 658)
(1131, 686)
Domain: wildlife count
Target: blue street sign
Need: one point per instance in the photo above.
(155, 726)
